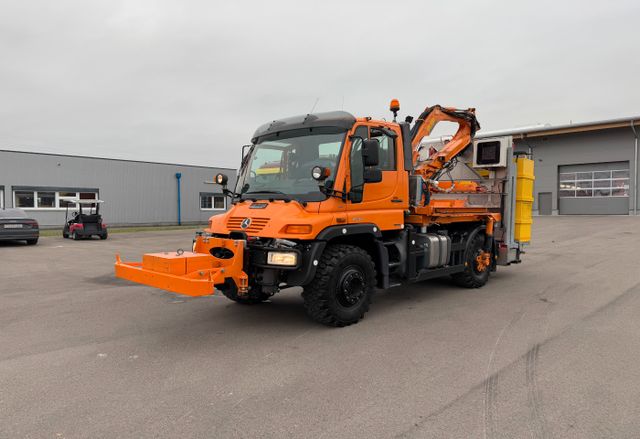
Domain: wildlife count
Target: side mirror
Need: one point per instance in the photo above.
(371, 152)
(372, 175)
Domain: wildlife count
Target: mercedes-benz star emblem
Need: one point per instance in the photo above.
(245, 223)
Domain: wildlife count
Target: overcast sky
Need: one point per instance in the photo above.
(189, 81)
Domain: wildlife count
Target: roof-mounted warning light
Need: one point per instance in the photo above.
(394, 106)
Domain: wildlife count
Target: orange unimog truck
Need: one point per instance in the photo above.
(341, 206)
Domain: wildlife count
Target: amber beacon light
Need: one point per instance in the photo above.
(394, 107)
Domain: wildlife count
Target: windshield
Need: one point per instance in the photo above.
(282, 165)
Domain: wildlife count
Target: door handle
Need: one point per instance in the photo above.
(396, 200)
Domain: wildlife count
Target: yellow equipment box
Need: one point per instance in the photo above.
(177, 264)
(524, 199)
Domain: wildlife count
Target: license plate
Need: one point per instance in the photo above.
(13, 226)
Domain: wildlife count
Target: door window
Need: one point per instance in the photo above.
(387, 150)
(355, 159)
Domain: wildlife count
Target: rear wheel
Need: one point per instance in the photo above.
(342, 289)
(253, 296)
(477, 265)
(33, 241)
(104, 235)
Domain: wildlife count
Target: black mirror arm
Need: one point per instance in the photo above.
(229, 193)
(388, 131)
(245, 157)
(331, 192)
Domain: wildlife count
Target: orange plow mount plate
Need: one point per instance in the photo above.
(191, 274)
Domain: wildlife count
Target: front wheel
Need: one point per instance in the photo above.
(342, 289)
(477, 265)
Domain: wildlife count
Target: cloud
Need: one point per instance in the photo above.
(189, 81)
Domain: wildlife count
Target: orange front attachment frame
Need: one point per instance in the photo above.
(189, 273)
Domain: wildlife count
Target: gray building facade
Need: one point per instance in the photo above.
(582, 169)
(134, 192)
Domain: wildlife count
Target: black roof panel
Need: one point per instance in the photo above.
(337, 119)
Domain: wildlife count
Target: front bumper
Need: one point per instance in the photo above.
(190, 273)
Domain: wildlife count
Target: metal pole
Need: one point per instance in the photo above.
(178, 176)
(635, 170)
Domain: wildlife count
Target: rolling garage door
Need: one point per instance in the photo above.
(594, 189)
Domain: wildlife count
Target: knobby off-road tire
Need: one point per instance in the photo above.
(471, 277)
(342, 289)
(254, 296)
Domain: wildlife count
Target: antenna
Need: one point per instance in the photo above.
(314, 105)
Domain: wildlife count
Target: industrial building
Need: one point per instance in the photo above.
(583, 168)
(134, 192)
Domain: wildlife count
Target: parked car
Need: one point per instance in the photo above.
(15, 225)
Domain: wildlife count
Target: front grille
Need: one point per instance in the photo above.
(257, 224)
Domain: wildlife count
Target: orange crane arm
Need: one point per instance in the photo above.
(467, 127)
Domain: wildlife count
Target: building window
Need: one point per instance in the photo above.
(48, 199)
(212, 202)
(24, 199)
(1, 198)
(63, 201)
(614, 183)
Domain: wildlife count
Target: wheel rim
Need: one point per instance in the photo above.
(481, 261)
(351, 287)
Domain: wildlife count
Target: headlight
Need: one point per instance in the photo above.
(288, 259)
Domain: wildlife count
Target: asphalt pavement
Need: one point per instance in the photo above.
(548, 348)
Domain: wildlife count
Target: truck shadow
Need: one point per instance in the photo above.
(110, 280)
(285, 312)
(214, 320)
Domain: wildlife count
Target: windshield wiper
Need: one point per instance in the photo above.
(279, 195)
(265, 192)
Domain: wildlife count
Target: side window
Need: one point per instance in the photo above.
(387, 150)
